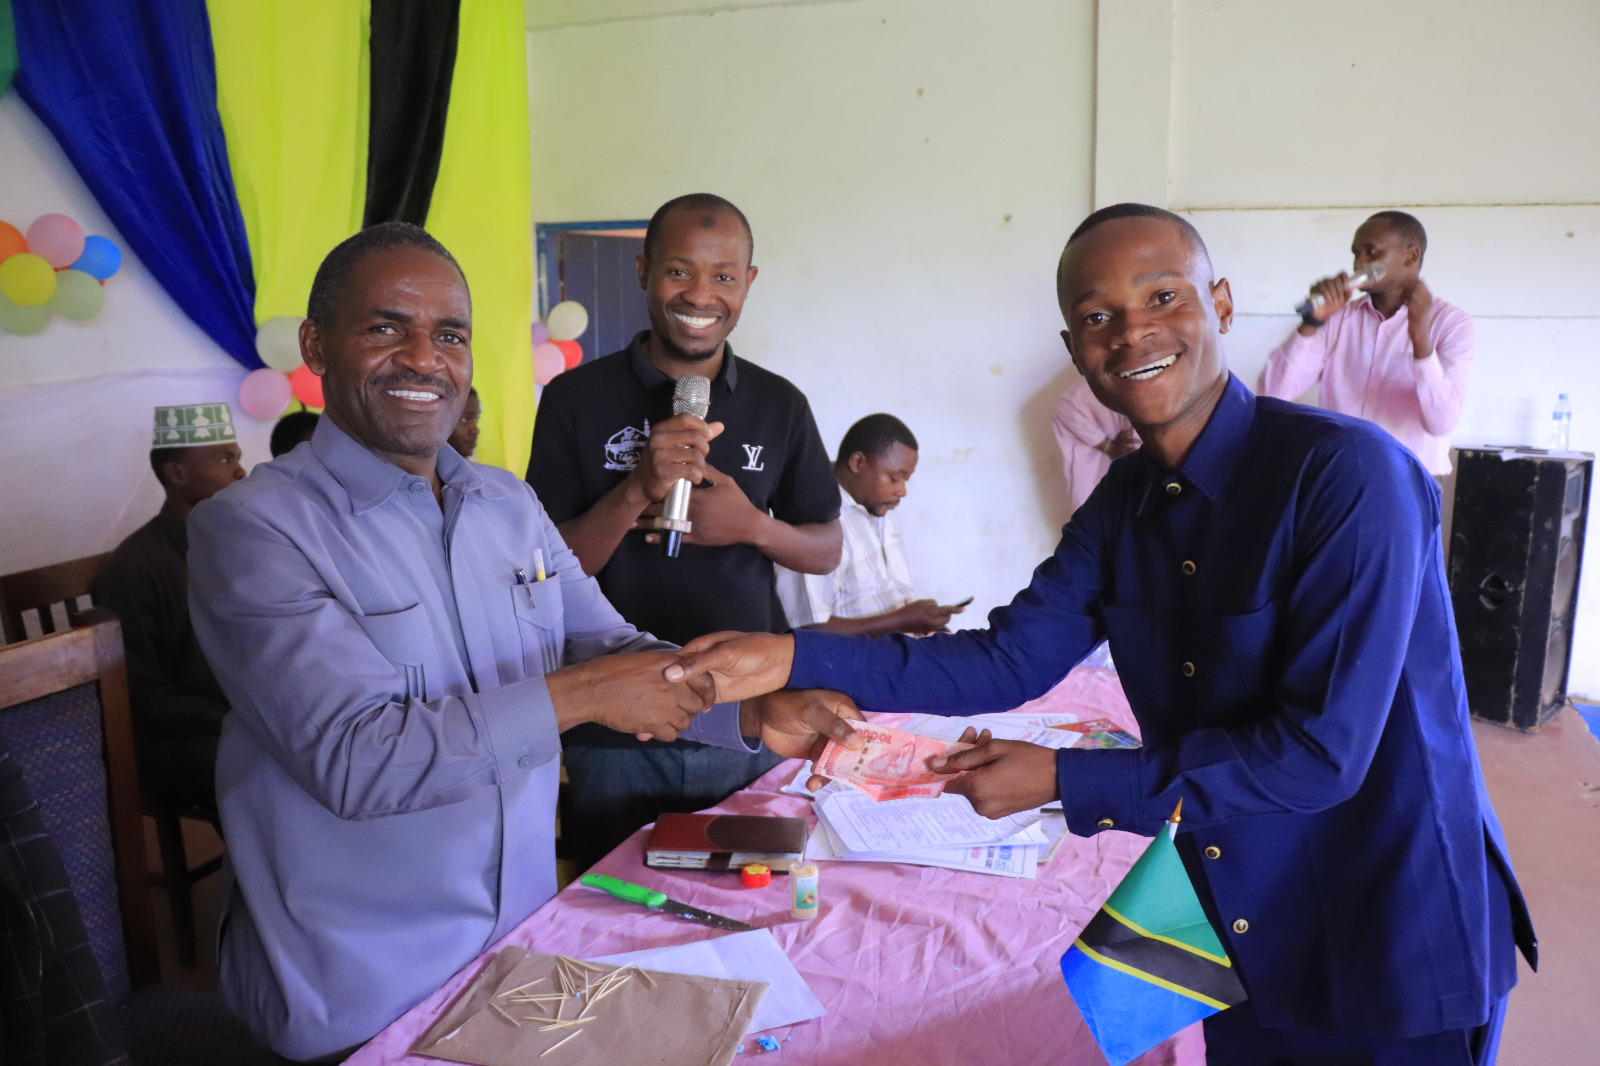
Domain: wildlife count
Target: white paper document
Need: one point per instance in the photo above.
(867, 825)
(797, 784)
(1033, 728)
(1004, 860)
(750, 956)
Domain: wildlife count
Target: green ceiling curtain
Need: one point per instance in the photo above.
(292, 90)
(482, 212)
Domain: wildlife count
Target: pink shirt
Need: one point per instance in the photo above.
(1082, 424)
(1366, 367)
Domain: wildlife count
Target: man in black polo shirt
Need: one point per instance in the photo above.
(606, 448)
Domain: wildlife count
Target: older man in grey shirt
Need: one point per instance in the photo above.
(403, 635)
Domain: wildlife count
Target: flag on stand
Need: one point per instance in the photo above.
(1149, 964)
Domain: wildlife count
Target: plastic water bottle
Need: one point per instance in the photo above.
(1561, 425)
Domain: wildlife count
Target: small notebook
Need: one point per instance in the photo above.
(725, 841)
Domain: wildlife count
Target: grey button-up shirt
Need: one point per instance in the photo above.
(387, 778)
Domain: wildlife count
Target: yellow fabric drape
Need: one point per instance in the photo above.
(483, 212)
(292, 89)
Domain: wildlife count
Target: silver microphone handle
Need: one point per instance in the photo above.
(675, 508)
(1367, 275)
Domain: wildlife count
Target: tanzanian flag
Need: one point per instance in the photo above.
(1149, 964)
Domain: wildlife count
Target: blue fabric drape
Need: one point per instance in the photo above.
(129, 89)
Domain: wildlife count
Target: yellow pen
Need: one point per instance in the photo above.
(538, 564)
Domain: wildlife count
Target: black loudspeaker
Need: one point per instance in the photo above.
(1515, 545)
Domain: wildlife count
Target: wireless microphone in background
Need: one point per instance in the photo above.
(693, 397)
(1365, 276)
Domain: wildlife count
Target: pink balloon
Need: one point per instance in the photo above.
(540, 333)
(56, 239)
(265, 393)
(548, 361)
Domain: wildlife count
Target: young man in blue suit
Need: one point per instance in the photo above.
(1269, 578)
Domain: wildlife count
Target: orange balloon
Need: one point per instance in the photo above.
(571, 351)
(11, 241)
(307, 386)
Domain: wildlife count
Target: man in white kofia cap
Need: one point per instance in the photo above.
(177, 704)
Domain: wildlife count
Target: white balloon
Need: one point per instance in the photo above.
(567, 320)
(278, 343)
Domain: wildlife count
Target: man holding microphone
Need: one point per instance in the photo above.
(1396, 356)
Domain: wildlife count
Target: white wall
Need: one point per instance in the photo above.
(76, 400)
(910, 168)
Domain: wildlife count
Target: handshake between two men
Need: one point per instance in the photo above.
(999, 777)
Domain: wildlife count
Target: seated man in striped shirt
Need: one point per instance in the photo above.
(870, 591)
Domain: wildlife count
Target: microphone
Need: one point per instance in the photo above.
(1373, 271)
(693, 397)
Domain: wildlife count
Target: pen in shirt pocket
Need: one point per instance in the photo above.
(521, 575)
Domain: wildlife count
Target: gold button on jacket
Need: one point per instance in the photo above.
(1241, 926)
(1213, 852)
(1188, 669)
(1105, 823)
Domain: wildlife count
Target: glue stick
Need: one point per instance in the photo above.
(804, 880)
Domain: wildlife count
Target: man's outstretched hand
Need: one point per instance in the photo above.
(798, 725)
(743, 665)
(1003, 776)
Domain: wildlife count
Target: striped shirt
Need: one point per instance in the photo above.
(871, 577)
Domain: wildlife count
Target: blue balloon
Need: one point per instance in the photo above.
(100, 259)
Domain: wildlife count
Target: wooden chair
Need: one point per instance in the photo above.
(64, 714)
(34, 602)
(43, 674)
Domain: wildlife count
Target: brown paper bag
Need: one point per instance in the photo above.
(527, 1009)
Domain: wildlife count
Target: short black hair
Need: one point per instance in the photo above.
(327, 291)
(873, 436)
(1132, 210)
(695, 201)
(291, 429)
(160, 457)
(1406, 227)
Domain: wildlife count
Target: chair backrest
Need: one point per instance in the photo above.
(64, 714)
(39, 601)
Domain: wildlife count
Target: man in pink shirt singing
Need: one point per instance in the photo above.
(1397, 356)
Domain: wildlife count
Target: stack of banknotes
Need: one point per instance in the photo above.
(885, 804)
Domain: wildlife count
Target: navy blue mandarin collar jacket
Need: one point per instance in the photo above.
(1279, 617)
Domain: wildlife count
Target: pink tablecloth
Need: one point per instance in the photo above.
(915, 965)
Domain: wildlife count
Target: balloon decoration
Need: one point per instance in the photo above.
(78, 296)
(53, 269)
(23, 321)
(265, 393)
(567, 320)
(555, 340)
(278, 343)
(12, 241)
(100, 258)
(56, 239)
(27, 280)
(307, 386)
(548, 361)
